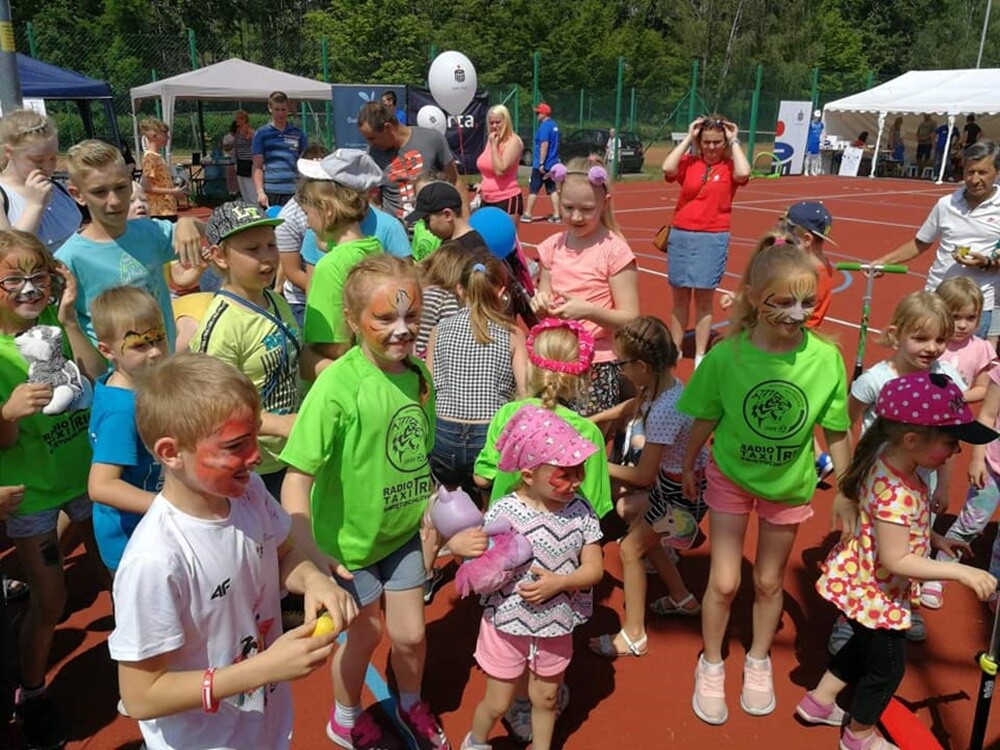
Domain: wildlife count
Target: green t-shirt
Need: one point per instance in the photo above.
(363, 435)
(51, 457)
(262, 351)
(325, 322)
(424, 241)
(767, 407)
(596, 487)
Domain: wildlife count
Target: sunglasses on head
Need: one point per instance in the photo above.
(713, 123)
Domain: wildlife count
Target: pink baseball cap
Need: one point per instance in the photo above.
(931, 399)
(535, 436)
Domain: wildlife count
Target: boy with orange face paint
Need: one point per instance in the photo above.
(198, 620)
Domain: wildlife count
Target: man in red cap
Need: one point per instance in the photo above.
(546, 156)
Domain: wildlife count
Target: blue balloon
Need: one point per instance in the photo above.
(272, 212)
(497, 229)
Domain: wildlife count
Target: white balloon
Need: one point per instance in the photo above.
(452, 80)
(430, 116)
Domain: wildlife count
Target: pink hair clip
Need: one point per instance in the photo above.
(585, 345)
(779, 241)
(596, 175)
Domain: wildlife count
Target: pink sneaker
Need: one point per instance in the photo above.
(425, 730)
(366, 734)
(709, 699)
(757, 698)
(872, 741)
(811, 711)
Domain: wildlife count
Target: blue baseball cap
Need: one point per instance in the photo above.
(813, 217)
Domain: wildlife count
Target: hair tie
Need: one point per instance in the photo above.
(596, 175)
(585, 344)
(779, 241)
(478, 267)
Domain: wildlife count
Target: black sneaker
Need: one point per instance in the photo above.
(432, 583)
(555, 220)
(40, 724)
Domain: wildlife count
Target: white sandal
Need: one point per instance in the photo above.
(665, 605)
(604, 645)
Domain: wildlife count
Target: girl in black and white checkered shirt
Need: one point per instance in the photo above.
(477, 358)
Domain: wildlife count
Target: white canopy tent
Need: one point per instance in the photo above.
(948, 93)
(230, 80)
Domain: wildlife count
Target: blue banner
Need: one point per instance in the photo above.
(348, 99)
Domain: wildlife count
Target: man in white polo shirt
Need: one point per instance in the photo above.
(967, 224)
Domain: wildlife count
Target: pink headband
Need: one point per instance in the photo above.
(585, 345)
(596, 175)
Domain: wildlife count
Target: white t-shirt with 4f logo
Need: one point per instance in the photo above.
(206, 594)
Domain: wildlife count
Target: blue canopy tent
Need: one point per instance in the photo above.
(41, 80)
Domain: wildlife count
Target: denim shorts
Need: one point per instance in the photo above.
(399, 571)
(79, 509)
(696, 260)
(456, 446)
(536, 182)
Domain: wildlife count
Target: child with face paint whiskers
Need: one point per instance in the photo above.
(762, 391)
(48, 454)
(124, 477)
(357, 487)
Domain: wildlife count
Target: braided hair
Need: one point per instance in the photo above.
(646, 339)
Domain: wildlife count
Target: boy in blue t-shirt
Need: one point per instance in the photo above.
(114, 250)
(124, 477)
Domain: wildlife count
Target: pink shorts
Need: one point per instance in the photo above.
(725, 496)
(505, 656)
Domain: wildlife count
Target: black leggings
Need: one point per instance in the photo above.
(873, 661)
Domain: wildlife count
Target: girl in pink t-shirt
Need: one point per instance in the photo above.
(970, 355)
(872, 576)
(589, 272)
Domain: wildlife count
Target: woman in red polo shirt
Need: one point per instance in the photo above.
(699, 234)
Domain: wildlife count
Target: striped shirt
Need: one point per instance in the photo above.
(281, 150)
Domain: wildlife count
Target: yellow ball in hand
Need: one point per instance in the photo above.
(324, 625)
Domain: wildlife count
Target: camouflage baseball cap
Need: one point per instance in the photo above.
(236, 216)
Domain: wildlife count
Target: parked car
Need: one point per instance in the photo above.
(595, 141)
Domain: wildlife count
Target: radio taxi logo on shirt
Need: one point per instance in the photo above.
(774, 410)
(405, 440)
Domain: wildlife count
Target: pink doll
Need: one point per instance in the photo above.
(452, 512)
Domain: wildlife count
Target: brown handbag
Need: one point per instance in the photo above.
(662, 238)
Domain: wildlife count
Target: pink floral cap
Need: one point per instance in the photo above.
(536, 436)
(931, 399)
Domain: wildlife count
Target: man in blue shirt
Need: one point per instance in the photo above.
(276, 149)
(814, 161)
(389, 99)
(546, 156)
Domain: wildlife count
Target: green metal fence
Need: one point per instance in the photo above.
(751, 99)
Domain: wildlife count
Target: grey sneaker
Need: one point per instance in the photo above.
(518, 716)
(432, 583)
(555, 220)
(918, 630)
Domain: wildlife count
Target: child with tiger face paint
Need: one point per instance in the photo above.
(357, 488)
(761, 391)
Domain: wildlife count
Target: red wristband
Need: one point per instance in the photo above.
(208, 703)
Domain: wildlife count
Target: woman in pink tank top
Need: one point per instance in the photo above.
(498, 164)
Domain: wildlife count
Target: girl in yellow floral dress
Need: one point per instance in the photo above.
(872, 575)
